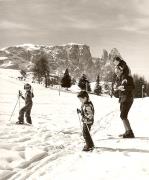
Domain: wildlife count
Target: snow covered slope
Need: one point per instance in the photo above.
(50, 149)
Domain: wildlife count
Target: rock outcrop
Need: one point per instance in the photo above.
(76, 57)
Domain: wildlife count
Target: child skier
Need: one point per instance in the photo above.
(28, 105)
(87, 113)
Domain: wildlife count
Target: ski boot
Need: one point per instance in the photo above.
(129, 134)
(121, 135)
(87, 148)
(19, 122)
(28, 120)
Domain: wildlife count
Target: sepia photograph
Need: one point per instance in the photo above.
(74, 95)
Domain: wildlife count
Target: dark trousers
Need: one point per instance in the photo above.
(87, 136)
(124, 108)
(27, 111)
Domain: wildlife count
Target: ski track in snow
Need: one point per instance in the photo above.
(51, 147)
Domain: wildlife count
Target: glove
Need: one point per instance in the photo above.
(78, 111)
(84, 120)
(20, 93)
(115, 87)
(124, 82)
(121, 88)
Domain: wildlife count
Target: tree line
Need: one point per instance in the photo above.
(41, 72)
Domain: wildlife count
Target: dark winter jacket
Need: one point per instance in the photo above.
(28, 98)
(87, 112)
(127, 94)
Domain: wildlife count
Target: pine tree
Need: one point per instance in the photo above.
(139, 83)
(97, 89)
(84, 83)
(147, 89)
(23, 73)
(66, 80)
(41, 69)
(88, 87)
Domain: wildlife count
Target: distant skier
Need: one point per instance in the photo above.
(125, 87)
(87, 113)
(28, 105)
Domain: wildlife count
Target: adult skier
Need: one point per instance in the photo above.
(125, 87)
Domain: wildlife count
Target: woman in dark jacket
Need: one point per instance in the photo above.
(125, 87)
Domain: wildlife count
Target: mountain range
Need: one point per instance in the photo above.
(76, 57)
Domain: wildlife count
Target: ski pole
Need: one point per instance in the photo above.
(80, 126)
(19, 103)
(85, 123)
(14, 107)
(79, 121)
(86, 126)
(89, 133)
(88, 129)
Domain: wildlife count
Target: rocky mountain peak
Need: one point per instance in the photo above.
(76, 57)
(113, 53)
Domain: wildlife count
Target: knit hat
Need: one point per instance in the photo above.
(27, 86)
(117, 58)
(83, 94)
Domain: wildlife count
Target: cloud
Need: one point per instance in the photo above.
(142, 6)
(128, 28)
(78, 23)
(66, 14)
(105, 15)
(6, 0)
(137, 25)
(13, 25)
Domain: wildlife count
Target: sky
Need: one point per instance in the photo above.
(100, 24)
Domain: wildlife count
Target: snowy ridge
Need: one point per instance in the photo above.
(75, 56)
(72, 44)
(29, 46)
(2, 58)
(51, 147)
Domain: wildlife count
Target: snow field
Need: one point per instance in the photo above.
(51, 147)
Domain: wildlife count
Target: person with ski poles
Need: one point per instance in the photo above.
(28, 105)
(125, 87)
(87, 113)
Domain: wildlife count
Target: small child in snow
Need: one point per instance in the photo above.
(28, 105)
(87, 113)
